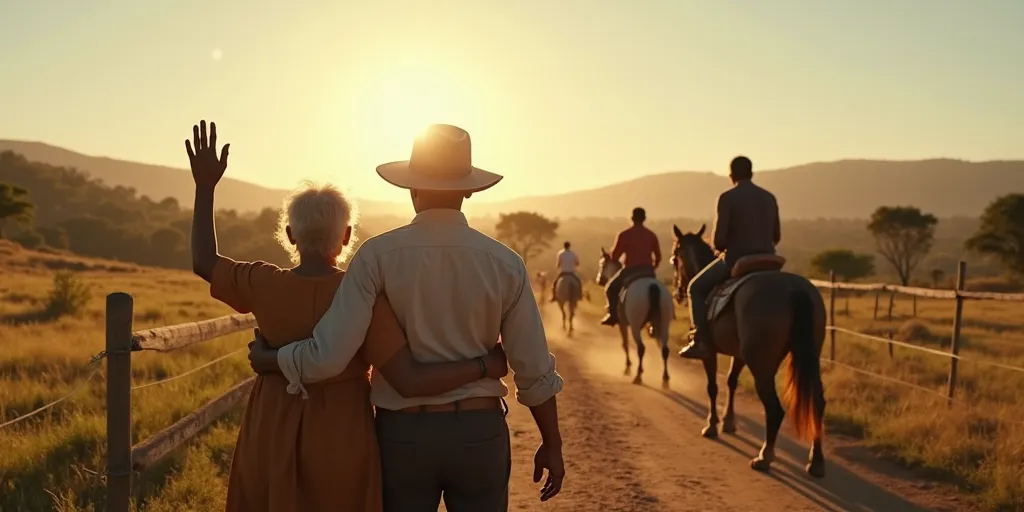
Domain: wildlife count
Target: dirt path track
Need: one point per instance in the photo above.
(638, 447)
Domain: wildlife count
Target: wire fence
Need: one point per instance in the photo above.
(93, 368)
(958, 295)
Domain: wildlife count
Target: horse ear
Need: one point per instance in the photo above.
(703, 227)
(604, 252)
(676, 231)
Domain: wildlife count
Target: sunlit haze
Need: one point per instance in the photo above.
(556, 95)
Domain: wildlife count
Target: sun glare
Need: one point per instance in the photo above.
(403, 100)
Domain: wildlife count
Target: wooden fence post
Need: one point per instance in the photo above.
(954, 347)
(832, 315)
(892, 300)
(119, 401)
(877, 293)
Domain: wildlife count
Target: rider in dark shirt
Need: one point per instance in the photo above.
(747, 224)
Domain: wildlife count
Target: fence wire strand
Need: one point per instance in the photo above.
(926, 349)
(886, 378)
(190, 372)
(92, 366)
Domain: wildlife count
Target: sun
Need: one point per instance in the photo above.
(402, 100)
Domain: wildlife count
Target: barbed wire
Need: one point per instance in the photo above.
(92, 366)
(190, 372)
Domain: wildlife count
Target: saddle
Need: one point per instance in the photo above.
(744, 268)
(628, 280)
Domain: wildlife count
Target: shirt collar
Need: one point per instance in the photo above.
(440, 216)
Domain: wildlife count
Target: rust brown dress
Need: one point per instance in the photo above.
(318, 454)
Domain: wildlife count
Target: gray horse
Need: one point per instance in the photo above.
(647, 301)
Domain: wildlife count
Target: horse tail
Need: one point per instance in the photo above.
(803, 374)
(654, 314)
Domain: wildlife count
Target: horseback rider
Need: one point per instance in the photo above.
(643, 255)
(746, 224)
(567, 263)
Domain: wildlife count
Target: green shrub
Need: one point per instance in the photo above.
(69, 295)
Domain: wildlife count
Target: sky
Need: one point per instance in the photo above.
(557, 95)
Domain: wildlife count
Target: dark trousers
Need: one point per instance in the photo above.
(614, 286)
(464, 456)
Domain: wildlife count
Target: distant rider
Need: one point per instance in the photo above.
(643, 255)
(567, 263)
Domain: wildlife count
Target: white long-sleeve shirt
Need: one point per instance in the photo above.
(454, 290)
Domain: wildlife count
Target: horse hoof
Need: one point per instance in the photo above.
(760, 464)
(638, 379)
(728, 427)
(817, 470)
(709, 432)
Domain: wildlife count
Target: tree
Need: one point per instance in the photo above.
(937, 274)
(903, 236)
(14, 206)
(847, 265)
(527, 233)
(1001, 233)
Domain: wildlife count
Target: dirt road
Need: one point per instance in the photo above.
(638, 447)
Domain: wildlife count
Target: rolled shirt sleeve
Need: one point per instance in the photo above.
(339, 334)
(526, 345)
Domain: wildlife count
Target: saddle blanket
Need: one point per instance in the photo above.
(723, 293)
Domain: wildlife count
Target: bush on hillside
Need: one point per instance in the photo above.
(69, 295)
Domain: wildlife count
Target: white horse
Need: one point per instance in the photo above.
(568, 291)
(647, 302)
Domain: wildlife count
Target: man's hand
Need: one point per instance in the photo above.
(497, 363)
(262, 358)
(549, 458)
(206, 169)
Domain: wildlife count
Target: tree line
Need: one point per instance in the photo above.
(64, 209)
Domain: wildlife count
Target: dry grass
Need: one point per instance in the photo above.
(53, 461)
(978, 443)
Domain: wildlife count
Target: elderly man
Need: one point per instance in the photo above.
(746, 223)
(455, 291)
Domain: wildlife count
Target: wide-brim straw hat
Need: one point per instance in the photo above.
(441, 160)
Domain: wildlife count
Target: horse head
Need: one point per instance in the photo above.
(690, 254)
(606, 267)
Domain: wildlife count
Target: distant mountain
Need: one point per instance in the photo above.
(846, 189)
(159, 182)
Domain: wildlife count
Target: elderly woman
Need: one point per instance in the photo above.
(318, 452)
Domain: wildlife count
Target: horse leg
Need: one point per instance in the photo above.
(710, 431)
(773, 415)
(640, 349)
(816, 465)
(625, 346)
(572, 315)
(729, 421)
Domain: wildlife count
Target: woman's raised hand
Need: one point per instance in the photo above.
(206, 168)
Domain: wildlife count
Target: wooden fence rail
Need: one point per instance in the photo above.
(958, 295)
(122, 458)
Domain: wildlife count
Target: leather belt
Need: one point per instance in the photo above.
(466, 404)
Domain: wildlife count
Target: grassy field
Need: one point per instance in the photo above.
(977, 444)
(54, 461)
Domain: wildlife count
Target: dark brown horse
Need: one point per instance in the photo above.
(770, 315)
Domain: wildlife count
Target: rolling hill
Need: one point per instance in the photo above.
(844, 189)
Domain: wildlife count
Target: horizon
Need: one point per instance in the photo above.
(550, 96)
(403, 200)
